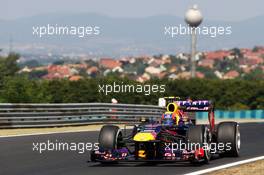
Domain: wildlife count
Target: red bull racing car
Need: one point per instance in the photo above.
(174, 137)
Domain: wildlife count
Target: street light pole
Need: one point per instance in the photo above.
(193, 18)
(193, 53)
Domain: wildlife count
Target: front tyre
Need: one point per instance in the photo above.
(200, 137)
(110, 137)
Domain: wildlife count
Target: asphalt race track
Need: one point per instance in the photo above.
(17, 156)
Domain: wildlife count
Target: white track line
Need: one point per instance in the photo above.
(55, 132)
(225, 166)
(47, 133)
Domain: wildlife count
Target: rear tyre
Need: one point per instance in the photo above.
(92, 156)
(228, 134)
(110, 137)
(200, 135)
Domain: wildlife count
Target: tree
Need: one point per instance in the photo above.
(209, 73)
(255, 49)
(30, 63)
(58, 62)
(236, 52)
(8, 65)
(22, 90)
(37, 74)
(256, 74)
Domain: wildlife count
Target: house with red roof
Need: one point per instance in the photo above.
(92, 70)
(207, 63)
(199, 74)
(109, 63)
(231, 75)
(57, 72)
(75, 78)
(217, 55)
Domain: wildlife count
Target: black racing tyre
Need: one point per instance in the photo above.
(200, 135)
(228, 134)
(110, 137)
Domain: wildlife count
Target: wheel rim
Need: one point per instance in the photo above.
(238, 142)
(118, 139)
(207, 141)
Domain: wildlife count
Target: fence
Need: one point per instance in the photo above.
(49, 115)
(234, 115)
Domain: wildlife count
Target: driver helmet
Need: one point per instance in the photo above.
(169, 119)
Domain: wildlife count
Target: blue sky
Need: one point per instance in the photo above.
(220, 10)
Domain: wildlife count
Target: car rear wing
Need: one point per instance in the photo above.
(187, 105)
(195, 106)
(172, 103)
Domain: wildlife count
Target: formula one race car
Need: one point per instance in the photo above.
(174, 137)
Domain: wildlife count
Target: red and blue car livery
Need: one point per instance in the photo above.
(174, 137)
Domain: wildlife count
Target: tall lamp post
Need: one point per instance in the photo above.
(193, 17)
